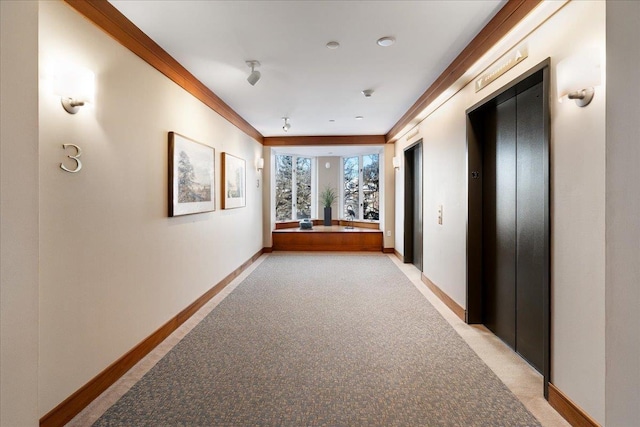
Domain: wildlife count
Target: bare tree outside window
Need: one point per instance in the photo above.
(351, 187)
(370, 187)
(303, 188)
(284, 194)
(361, 187)
(293, 187)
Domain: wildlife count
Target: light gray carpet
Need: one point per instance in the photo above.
(321, 340)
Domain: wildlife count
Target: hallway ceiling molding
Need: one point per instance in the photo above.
(300, 77)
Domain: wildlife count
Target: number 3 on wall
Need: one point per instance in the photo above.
(74, 158)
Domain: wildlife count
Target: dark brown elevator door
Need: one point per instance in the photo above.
(513, 223)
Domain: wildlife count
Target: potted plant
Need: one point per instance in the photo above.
(328, 198)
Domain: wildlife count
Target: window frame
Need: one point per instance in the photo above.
(342, 204)
(294, 189)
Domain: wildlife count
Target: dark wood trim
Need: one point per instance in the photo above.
(272, 141)
(71, 406)
(571, 412)
(388, 250)
(446, 299)
(267, 250)
(503, 22)
(114, 23)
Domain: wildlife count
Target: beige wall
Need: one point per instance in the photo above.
(19, 213)
(577, 203)
(113, 266)
(329, 177)
(623, 215)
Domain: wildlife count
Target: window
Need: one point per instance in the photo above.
(360, 189)
(293, 187)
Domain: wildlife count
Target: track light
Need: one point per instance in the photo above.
(287, 125)
(255, 74)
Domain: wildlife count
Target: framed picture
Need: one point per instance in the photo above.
(191, 176)
(233, 182)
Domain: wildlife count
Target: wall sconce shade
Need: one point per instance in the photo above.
(396, 163)
(75, 86)
(327, 165)
(577, 75)
(260, 164)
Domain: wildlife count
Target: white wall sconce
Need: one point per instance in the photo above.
(75, 86)
(327, 165)
(260, 165)
(577, 76)
(396, 163)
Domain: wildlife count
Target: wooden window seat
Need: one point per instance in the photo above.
(337, 237)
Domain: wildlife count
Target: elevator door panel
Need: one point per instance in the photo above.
(513, 216)
(530, 225)
(417, 207)
(500, 222)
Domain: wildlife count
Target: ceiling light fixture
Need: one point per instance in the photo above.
(367, 93)
(333, 45)
(386, 41)
(359, 117)
(286, 125)
(255, 74)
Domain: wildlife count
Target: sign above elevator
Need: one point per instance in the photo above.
(508, 62)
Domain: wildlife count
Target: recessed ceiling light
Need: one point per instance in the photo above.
(367, 93)
(333, 45)
(386, 41)
(359, 117)
(332, 120)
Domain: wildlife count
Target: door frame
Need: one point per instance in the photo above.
(474, 273)
(409, 172)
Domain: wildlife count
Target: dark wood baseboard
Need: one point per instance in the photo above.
(267, 250)
(571, 412)
(388, 250)
(446, 299)
(71, 406)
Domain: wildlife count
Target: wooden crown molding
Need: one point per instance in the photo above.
(503, 22)
(274, 141)
(114, 23)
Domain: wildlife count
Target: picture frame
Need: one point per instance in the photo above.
(191, 176)
(234, 189)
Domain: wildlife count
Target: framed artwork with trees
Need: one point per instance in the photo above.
(191, 176)
(233, 182)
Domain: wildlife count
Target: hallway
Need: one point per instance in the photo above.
(365, 385)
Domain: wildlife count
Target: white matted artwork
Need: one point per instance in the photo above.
(191, 176)
(233, 182)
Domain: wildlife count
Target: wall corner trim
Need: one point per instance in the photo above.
(571, 412)
(74, 404)
(110, 20)
(446, 299)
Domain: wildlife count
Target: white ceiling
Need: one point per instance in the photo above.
(303, 79)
